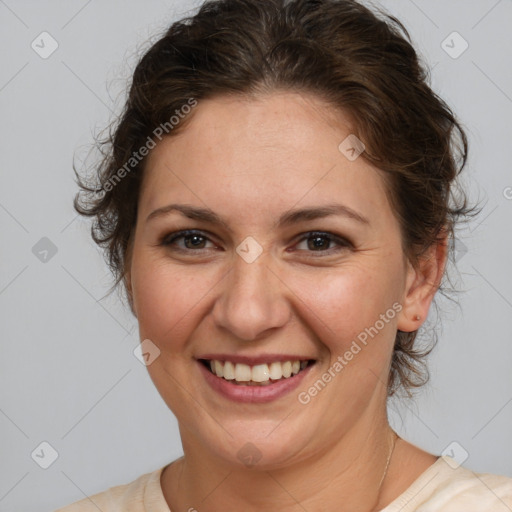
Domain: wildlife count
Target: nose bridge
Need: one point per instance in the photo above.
(252, 300)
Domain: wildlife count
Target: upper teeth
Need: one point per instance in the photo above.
(258, 373)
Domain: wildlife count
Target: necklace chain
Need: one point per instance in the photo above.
(395, 437)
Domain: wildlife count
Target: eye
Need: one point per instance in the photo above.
(319, 241)
(188, 240)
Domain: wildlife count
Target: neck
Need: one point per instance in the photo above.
(347, 475)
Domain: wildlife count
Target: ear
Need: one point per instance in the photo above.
(422, 282)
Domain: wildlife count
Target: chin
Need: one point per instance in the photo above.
(254, 448)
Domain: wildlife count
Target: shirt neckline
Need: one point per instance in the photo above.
(154, 499)
(442, 464)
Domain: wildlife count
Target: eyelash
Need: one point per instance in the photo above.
(343, 243)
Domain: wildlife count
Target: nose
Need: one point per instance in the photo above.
(252, 300)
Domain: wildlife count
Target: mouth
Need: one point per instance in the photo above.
(262, 374)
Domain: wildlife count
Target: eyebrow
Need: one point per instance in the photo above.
(288, 218)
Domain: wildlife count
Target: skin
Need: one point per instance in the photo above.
(250, 160)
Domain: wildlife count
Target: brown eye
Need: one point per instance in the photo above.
(317, 243)
(194, 241)
(187, 240)
(321, 242)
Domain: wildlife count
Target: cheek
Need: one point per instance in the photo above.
(338, 305)
(347, 304)
(167, 299)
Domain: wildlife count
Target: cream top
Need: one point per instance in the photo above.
(443, 487)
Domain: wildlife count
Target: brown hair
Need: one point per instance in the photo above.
(357, 60)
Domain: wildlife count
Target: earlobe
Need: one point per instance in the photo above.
(422, 283)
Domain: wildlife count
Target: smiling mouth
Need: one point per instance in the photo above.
(258, 375)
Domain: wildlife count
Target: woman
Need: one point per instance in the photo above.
(277, 201)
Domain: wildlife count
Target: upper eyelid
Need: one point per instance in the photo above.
(166, 239)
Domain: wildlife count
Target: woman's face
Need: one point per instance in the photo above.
(293, 254)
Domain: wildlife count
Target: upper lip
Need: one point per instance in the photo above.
(254, 360)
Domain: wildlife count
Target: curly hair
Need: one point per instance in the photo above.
(359, 60)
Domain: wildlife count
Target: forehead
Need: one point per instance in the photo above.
(268, 152)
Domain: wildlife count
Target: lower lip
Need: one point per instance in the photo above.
(253, 394)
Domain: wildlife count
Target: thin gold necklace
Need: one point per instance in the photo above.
(395, 437)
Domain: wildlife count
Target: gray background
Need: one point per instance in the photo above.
(68, 373)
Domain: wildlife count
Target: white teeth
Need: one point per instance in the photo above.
(219, 370)
(260, 374)
(286, 369)
(275, 371)
(242, 372)
(229, 371)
